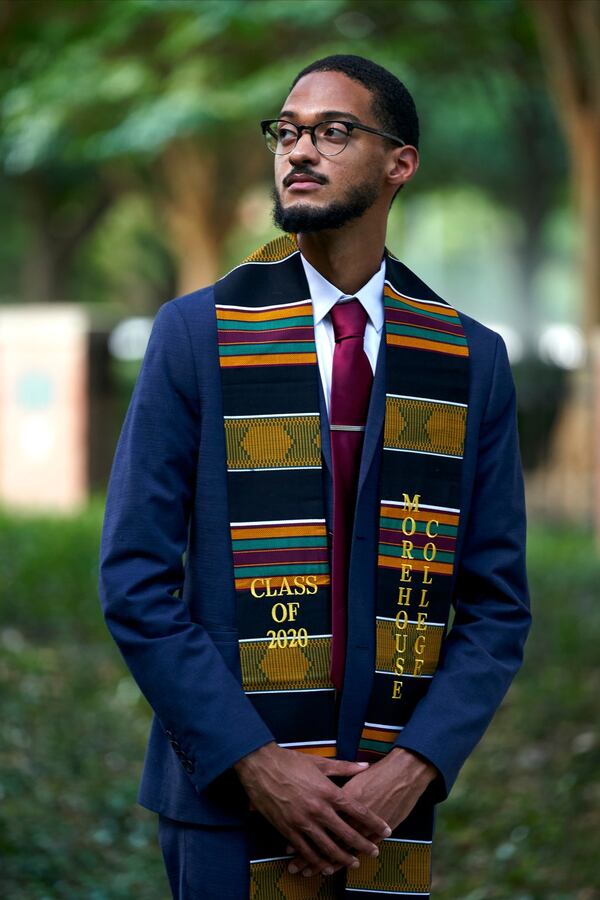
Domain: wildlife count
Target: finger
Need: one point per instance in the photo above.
(337, 853)
(298, 861)
(339, 856)
(362, 814)
(340, 767)
(349, 835)
(301, 863)
(309, 856)
(374, 838)
(327, 850)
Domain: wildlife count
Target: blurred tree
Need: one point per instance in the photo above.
(570, 40)
(164, 98)
(487, 119)
(140, 95)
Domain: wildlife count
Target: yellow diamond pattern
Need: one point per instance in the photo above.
(425, 426)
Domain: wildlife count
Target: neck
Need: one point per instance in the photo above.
(347, 257)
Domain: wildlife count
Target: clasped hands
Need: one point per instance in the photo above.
(324, 824)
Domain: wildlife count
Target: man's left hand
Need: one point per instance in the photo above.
(389, 787)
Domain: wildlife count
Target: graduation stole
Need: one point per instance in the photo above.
(270, 385)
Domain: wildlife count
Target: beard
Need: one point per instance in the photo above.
(305, 218)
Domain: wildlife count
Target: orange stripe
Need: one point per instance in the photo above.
(268, 359)
(316, 751)
(267, 340)
(279, 531)
(399, 340)
(379, 734)
(255, 315)
(422, 515)
(276, 580)
(440, 309)
(396, 562)
(434, 328)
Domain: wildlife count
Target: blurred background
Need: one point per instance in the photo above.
(132, 169)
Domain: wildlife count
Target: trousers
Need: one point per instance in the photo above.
(207, 862)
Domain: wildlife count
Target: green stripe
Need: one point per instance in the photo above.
(390, 550)
(449, 530)
(266, 570)
(379, 746)
(269, 543)
(411, 331)
(264, 324)
(441, 317)
(267, 349)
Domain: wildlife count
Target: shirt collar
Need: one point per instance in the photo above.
(324, 294)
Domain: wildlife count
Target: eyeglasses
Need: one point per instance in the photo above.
(329, 137)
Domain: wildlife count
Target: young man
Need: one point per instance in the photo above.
(334, 450)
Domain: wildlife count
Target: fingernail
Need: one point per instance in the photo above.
(307, 872)
(363, 764)
(328, 871)
(292, 869)
(387, 831)
(375, 852)
(354, 864)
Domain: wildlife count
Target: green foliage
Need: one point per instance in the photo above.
(126, 78)
(93, 95)
(520, 822)
(72, 733)
(49, 573)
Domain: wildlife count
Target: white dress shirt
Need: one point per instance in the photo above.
(324, 295)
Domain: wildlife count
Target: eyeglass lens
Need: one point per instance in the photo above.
(330, 137)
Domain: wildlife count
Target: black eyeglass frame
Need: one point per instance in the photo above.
(265, 123)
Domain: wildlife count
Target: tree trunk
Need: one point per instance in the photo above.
(199, 184)
(187, 201)
(570, 38)
(570, 41)
(586, 158)
(55, 237)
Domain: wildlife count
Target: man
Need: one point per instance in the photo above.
(333, 449)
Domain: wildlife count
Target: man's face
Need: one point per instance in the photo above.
(337, 188)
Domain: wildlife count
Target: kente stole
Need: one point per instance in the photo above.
(270, 383)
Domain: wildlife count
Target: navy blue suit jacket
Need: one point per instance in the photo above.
(166, 573)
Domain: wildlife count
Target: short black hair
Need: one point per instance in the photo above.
(393, 105)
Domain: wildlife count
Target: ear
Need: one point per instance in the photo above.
(402, 164)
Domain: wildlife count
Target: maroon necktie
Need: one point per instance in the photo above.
(351, 381)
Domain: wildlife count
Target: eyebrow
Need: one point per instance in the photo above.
(327, 114)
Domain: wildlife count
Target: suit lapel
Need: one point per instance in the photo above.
(325, 435)
(375, 415)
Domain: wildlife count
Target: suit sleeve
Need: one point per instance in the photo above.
(484, 648)
(199, 702)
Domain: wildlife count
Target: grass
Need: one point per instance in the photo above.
(520, 824)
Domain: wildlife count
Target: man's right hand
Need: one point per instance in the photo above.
(295, 793)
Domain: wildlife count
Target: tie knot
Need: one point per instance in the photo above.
(349, 319)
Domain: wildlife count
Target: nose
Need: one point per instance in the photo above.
(304, 150)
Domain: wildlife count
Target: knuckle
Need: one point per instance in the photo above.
(298, 823)
(360, 808)
(313, 807)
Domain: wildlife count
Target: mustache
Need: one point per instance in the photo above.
(303, 170)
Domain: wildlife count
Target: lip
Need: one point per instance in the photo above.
(300, 181)
(303, 186)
